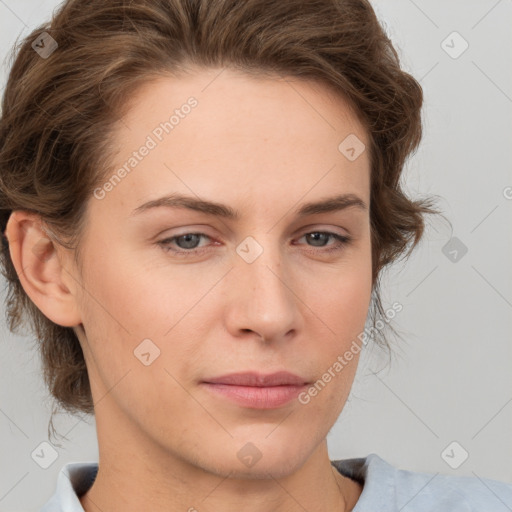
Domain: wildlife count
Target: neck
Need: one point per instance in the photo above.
(129, 480)
(136, 470)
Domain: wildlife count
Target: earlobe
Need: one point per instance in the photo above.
(40, 269)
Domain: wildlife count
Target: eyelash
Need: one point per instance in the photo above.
(341, 242)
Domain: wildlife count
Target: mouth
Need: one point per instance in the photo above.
(255, 390)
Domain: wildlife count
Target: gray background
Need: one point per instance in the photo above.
(451, 379)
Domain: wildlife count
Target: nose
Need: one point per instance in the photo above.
(262, 300)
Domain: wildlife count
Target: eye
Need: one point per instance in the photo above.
(324, 236)
(187, 243)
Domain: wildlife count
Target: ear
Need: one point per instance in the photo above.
(42, 268)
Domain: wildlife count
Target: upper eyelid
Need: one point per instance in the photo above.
(301, 233)
(304, 230)
(330, 232)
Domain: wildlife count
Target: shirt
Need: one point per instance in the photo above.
(385, 489)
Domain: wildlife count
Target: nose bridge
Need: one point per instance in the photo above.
(264, 296)
(261, 263)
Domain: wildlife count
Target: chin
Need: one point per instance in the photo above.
(258, 459)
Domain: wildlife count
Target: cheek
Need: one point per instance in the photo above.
(134, 298)
(342, 302)
(126, 317)
(342, 310)
(125, 304)
(348, 310)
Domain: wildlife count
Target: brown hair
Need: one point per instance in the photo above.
(59, 112)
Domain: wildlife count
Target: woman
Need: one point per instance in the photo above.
(198, 199)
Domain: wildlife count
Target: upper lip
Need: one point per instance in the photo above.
(281, 378)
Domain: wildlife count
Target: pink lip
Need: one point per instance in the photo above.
(281, 378)
(256, 390)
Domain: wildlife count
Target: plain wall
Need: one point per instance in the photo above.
(450, 378)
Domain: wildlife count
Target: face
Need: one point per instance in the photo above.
(175, 297)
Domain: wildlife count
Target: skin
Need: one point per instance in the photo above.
(264, 147)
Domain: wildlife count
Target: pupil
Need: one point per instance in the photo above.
(187, 238)
(316, 235)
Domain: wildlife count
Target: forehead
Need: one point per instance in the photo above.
(228, 96)
(225, 134)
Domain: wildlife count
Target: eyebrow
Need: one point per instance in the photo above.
(176, 200)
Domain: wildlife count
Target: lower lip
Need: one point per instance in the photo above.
(256, 397)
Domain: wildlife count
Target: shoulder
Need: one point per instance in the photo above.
(450, 492)
(74, 479)
(393, 489)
